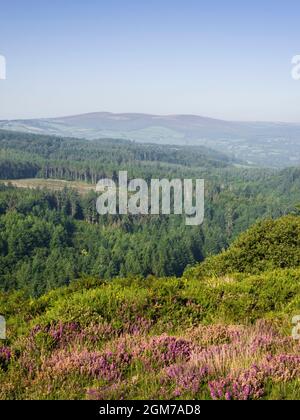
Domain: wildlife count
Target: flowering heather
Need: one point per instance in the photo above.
(186, 377)
(103, 361)
(244, 386)
(5, 357)
(64, 334)
(164, 350)
(139, 325)
(206, 335)
(283, 367)
(107, 365)
(250, 384)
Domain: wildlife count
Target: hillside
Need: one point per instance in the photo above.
(267, 246)
(30, 155)
(117, 307)
(258, 143)
(162, 338)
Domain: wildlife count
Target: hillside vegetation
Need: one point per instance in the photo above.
(208, 334)
(268, 245)
(105, 307)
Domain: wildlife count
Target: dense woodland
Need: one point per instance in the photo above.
(28, 155)
(48, 238)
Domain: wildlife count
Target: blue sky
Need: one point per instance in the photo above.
(224, 59)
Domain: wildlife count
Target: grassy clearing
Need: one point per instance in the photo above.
(50, 184)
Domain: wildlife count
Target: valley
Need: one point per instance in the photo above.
(254, 143)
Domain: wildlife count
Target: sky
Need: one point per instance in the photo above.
(222, 59)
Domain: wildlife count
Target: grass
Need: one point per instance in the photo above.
(50, 184)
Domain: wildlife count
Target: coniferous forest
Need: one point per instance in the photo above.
(131, 307)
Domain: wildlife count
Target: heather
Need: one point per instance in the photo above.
(225, 336)
(155, 338)
(238, 363)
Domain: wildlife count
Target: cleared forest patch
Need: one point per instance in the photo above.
(51, 184)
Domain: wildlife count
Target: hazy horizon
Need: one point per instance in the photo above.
(228, 61)
(208, 117)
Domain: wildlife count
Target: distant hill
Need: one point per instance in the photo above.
(258, 143)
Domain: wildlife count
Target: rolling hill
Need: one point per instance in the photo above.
(258, 143)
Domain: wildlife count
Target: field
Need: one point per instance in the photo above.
(50, 184)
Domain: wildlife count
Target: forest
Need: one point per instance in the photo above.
(29, 155)
(51, 238)
(133, 307)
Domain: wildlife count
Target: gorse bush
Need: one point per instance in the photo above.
(164, 303)
(268, 245)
